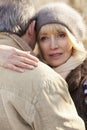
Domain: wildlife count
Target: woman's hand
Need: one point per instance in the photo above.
(16, 59)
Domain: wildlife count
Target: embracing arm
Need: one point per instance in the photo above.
(16, 59)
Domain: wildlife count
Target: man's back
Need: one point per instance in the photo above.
(37, 100)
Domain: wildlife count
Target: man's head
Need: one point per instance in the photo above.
(15, 17)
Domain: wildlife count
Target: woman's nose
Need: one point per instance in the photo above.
(53, 43)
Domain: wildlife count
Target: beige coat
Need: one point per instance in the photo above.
(36, 99)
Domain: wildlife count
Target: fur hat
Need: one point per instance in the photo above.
(63, 14)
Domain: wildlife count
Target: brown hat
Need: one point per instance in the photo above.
(63, 14)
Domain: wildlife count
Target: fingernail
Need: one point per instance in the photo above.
(36, 64)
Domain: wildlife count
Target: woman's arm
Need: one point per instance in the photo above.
(16, 59)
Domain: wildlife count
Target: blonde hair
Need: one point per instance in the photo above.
(79, 51)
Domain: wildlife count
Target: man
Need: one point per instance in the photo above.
(36, 99)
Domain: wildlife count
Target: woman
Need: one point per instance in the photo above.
(60, 31)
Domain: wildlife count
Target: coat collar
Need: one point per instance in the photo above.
(19, 41)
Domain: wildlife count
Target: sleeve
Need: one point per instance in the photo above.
(55, 109)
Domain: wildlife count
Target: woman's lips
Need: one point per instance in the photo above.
(55, 55)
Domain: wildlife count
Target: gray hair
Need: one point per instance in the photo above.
(15, 16)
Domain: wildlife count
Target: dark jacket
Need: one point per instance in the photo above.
(77, 81)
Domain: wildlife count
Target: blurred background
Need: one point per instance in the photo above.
(79, 5)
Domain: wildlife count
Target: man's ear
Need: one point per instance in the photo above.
(31, 35)
(31, 30)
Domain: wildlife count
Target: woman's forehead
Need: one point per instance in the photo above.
(52, 28)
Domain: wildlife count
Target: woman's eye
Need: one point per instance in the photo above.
(61, 35)
(43, 39)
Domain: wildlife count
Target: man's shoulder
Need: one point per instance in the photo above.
(41, 73)
(44, 71)
(5, 39)
(30, 82)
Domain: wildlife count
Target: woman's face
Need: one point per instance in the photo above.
(54, 47)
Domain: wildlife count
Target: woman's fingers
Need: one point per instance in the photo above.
(27, 55)
(13, 67)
